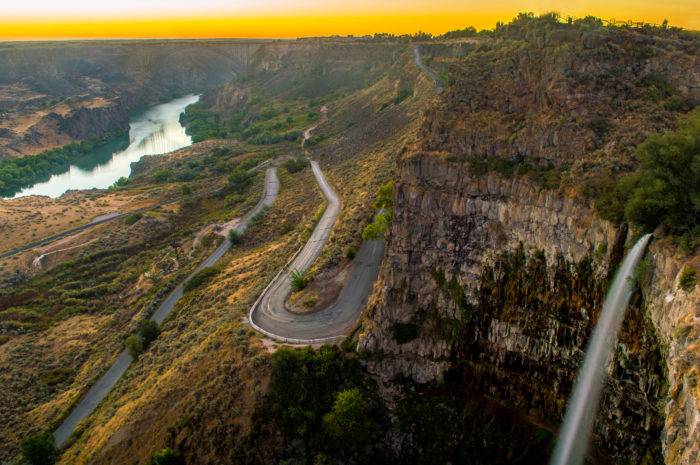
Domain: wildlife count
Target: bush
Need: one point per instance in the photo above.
(664, 189)
(314, 394)
(295, 164)
(121, 182)
(385, 196)
(240, 178)
(166, 456)
(404, 332)
(299, 279)
(185, 189)
(401, 95)
(56, 376)
(377, 228)
(147, 332)
(162, 175)
(235, 237)
(39, 449)
(349, 417)
(351, 252)
(133, 218)
(688, 279)
(200, 278)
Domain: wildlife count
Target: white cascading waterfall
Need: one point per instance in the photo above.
(574, 435)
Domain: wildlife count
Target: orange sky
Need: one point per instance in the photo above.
(73, 19)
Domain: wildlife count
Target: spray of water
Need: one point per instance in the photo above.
(576, 430)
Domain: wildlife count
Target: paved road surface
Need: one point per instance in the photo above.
(269, 315)
(98, 392)
(433, 75)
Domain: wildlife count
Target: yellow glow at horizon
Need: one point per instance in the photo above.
(283, 24)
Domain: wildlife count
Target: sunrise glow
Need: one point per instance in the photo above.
(82, 19)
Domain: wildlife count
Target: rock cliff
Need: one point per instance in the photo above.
(497, 279)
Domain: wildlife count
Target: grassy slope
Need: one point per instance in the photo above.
(60, 330)
(204, 375)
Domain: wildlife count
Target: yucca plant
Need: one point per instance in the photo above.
(299, 279)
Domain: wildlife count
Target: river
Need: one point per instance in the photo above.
(153, 132)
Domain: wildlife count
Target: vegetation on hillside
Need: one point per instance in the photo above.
(138, 342)
(325, 407)
(17, 173)
(665, 188)
(384, 204)
(39, 449)
(261, 121)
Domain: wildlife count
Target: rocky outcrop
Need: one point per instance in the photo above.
(564, 96)
(502, 282)
(675, 313)
(85, 123)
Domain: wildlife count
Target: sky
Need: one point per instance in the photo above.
(93, 19)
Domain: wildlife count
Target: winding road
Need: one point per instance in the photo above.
(105, 384)
(269, 315)
(439, 87)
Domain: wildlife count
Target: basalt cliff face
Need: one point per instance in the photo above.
(497, 280)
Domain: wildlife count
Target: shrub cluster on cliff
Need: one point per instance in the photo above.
(665, 188)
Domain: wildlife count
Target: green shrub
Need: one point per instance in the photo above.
(377, 228)
(240, 178)
(138, 342)
(39, 449)
(295, 164)
(404, 332)
(305, 402)
(162, 175)
(121, 182)
(666, 186)
(664, 189)
(133, 218)
(201, 277)
(134, 345)
(185, 189)
(56, 376)
(401, 95)
(687, 279)
(166, 456)
(385, 196)
(351, 252)
(235, 237)
(299, 279)
(349, 417)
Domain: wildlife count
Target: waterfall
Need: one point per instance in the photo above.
(576, 429)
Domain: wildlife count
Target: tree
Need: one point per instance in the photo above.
(350, 417)
(667, 183)
(166, 456)
(147, 332)
(162, 175)
(235, 237)
(39, 449)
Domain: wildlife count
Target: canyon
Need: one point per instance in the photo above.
(502, 153)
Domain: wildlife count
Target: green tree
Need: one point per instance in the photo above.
(664, 189)
(162, 175)
(146, 332)
(666, 186)
(349, 418)
(39, 449)
(166, 456)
